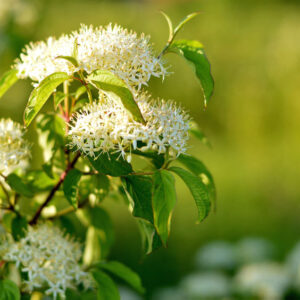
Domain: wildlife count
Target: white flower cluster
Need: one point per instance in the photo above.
(107, 126)
(109, 48)
(50, 260)
(14, 150)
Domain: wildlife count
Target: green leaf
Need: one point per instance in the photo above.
(140, 191)
(58, 98)
(79, 92)
(150, 238)
(19, 227)
(198, 189)
(109, 82)
(193, 52)
(163, 202)
(9, 290)
(184, 21)
(70, 186)
(92, 249)
(70, 59)
(107, 289)
(18, 185)
(111, 164)
(200, 170)
(7, 80)
(39, 181)
(52, 127)
(171, 31)
(123, 272)
(103, 234)
(40, 95)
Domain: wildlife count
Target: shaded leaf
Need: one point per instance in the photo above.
(123, 272)
(18, 227)
(193, 52)
(18, 185)
(70, 186)
(107, 289)
(41, 94)
(58, 98)
(39, 181)
(199, 134)
(7, 80)
(198, 189)
(112, 164)
(163, 202)
(109, 82)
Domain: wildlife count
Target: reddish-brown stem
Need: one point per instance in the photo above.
(54, 190)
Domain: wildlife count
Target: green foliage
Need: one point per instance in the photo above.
(70, 186)
(163, 202)
(7, 80)
(123, 272)
(107, 289)
(70, 59)
(112, 164)
(184, 21)
(39, 181)
(18, 227)
(9, 290)
(194, 53)
(199, 134)
(40, 95)
(198, 189)
(18, 185)
(110, 83)
(58, 98)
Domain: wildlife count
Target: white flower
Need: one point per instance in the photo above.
(14, 150)
(293, 265)
(107, 126)
(50, 259)
(112, 48)
(263, 280)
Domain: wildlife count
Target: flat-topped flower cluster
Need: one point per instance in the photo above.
(49, 258)
(14, 149)
(105, 126)
(111, 48)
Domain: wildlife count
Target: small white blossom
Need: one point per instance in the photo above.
(111, 48)
(107, 126)
(50, 259)
(14, 150)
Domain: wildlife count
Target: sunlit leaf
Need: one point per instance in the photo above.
(193, 52)
(184, 21)
(9, 290)
(109, 82)
(18, 185)
(70, 59)
(58, 98)
(7, 80)
(41, 94)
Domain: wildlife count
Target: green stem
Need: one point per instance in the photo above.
(83, 81)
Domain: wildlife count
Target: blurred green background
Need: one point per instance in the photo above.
(252, 121)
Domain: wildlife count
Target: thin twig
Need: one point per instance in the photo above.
(54, 190)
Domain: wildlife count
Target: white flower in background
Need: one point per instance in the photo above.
(264, 280)
(252, 250)
(216, 255)
(111, 48)
(293, 265)
(167, 293)
(206, 285)
(50, 259)
(107, 126)
(14, 150)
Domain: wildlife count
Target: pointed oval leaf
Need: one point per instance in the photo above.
(109, 82)
(18, 185)
(107, 290)
(163, 202)
(194, 53)
(9, 290)
(123, 272)
(170, 25)
(70, 186)
(41, 93)
(18, 227)
(70, 59)
(198, 189)
(7, 80)
(112, 164)
(184, 21)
